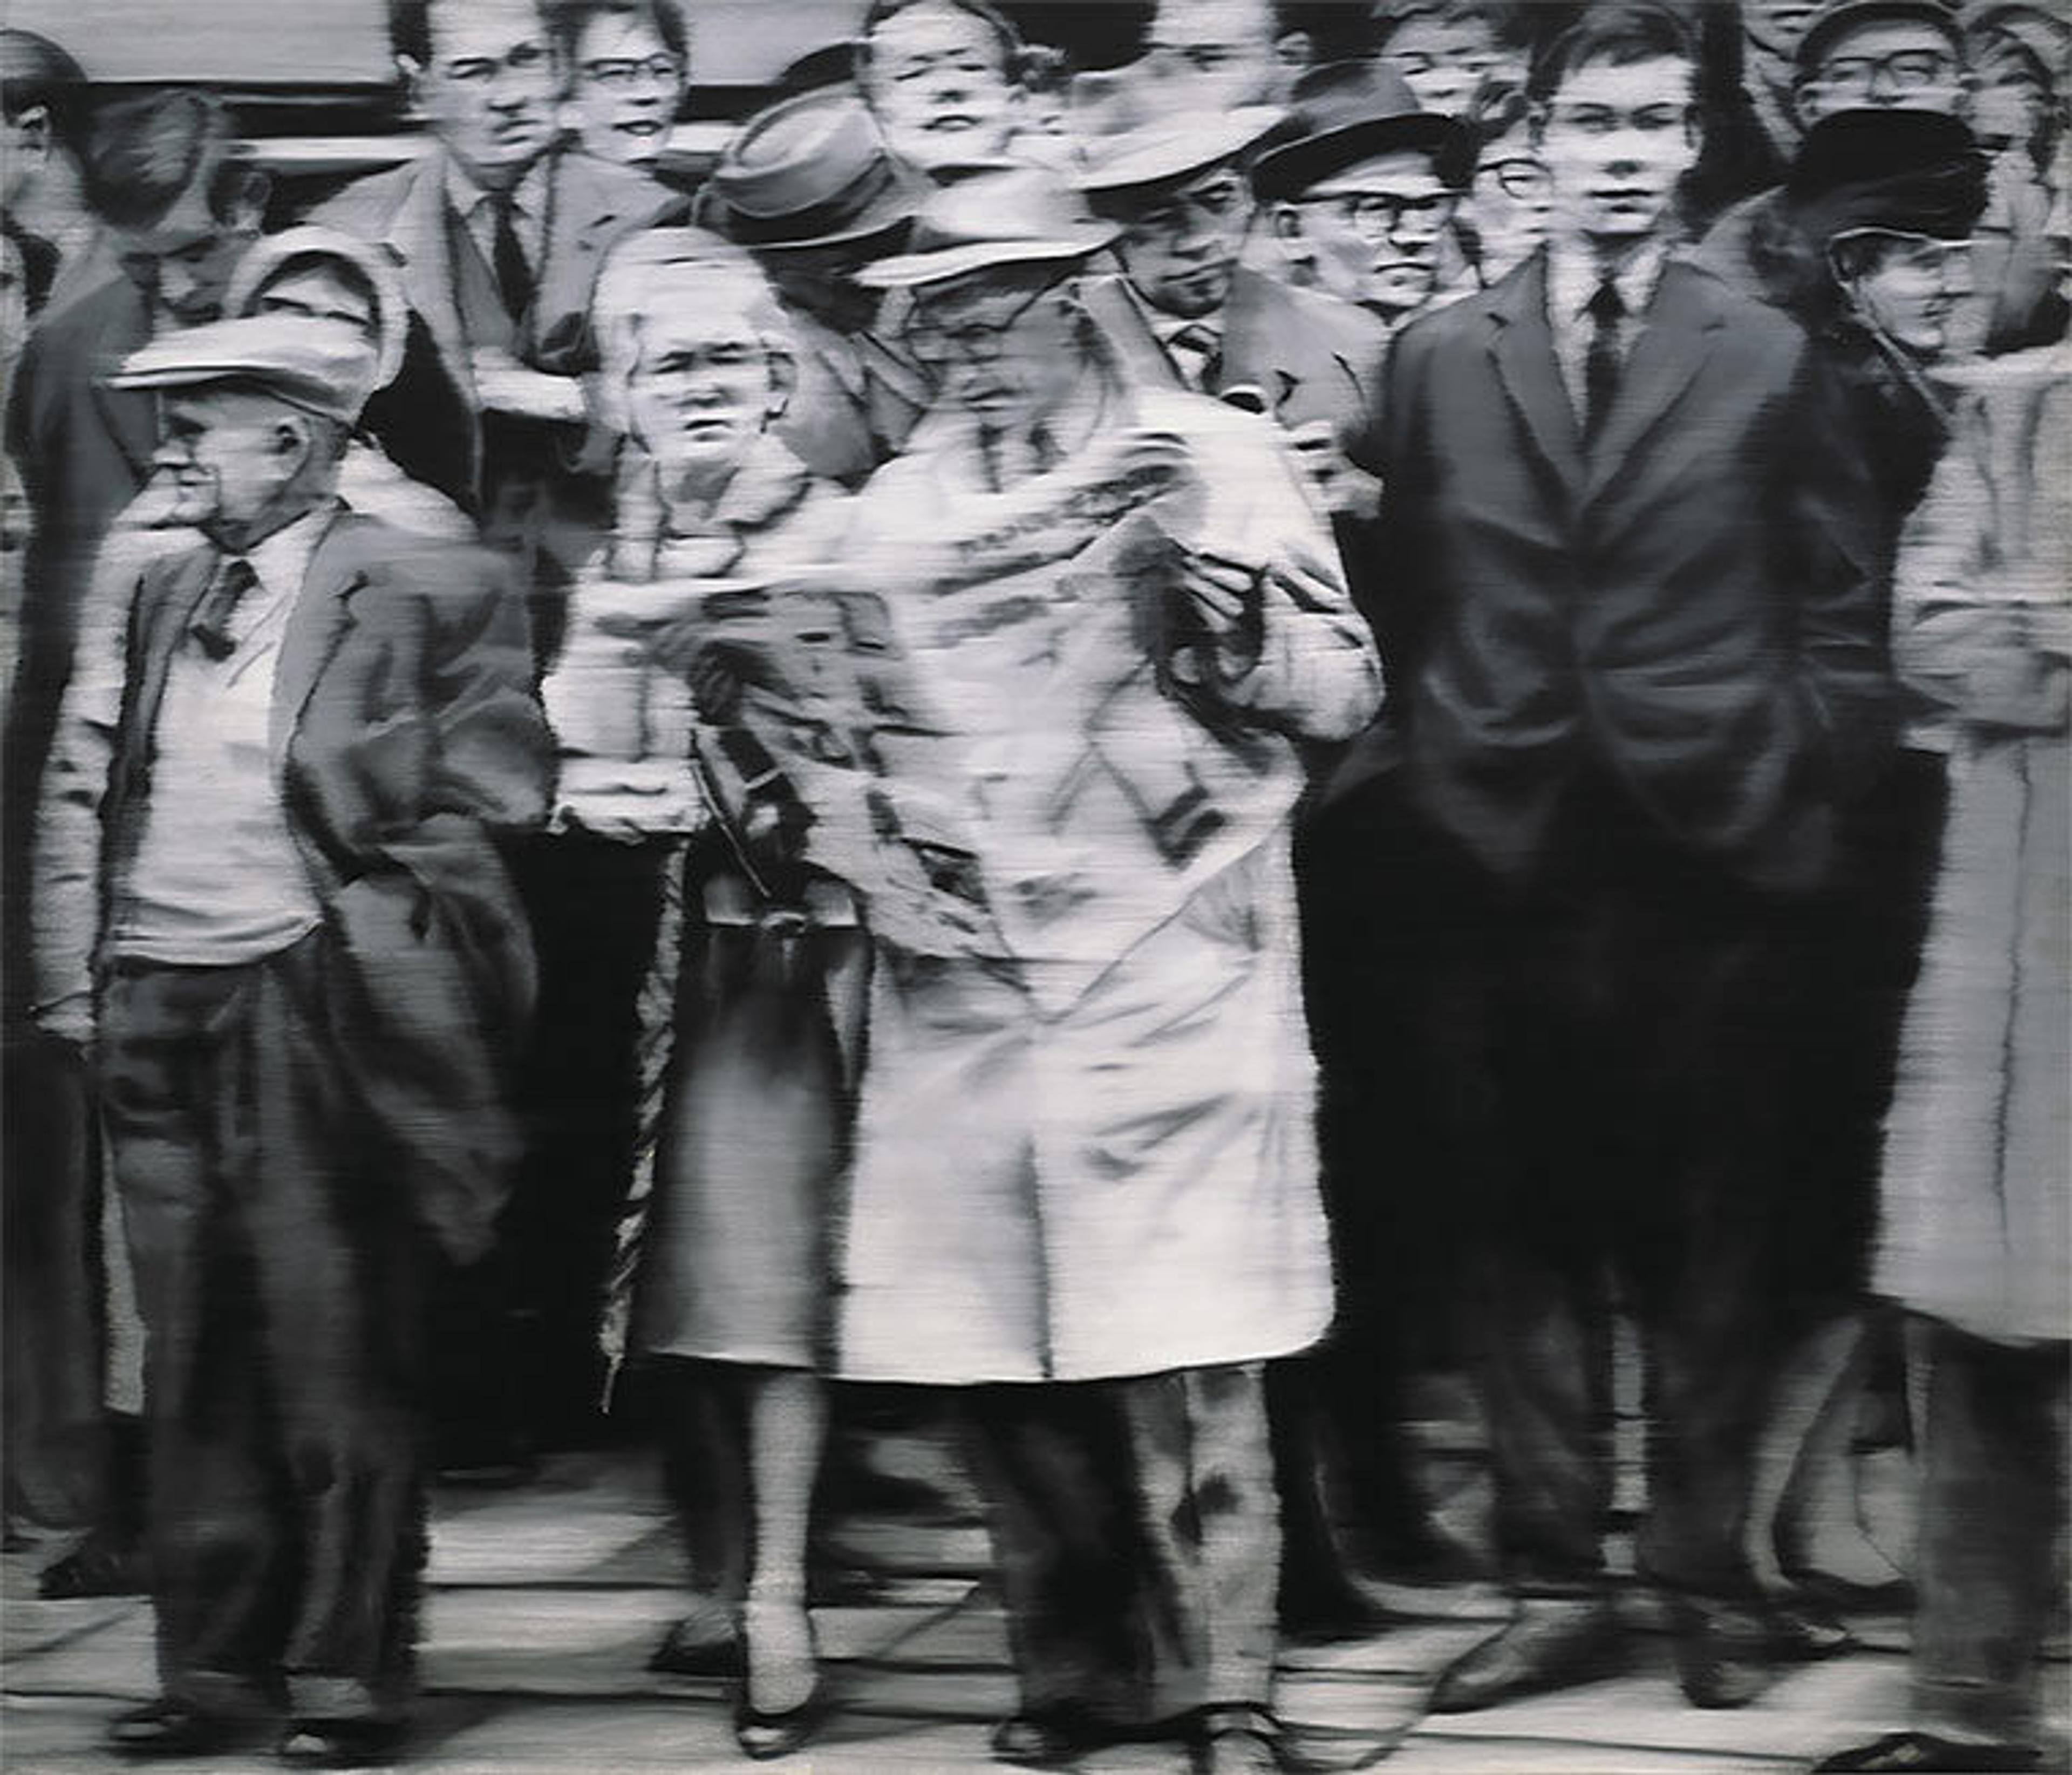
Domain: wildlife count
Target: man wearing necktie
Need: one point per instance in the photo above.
(1641, 666)
(290, 941)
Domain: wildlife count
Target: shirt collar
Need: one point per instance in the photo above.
(1573, 277)
(528, 199)
(281, 562)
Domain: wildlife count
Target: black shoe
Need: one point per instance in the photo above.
(341, 1744)
(1930, 1755)
(1342, 1606)
(697, 1645)
(1804, 1633)
(104, 1564)
(171, 1728)
(1551, 1643)
(765, 1735)
(1048, 1737)
(1726, 1653)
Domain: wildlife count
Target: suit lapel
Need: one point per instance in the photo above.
(1259, 335)
(1144, 361)
(1676, 337)
(166, 617)
(320, 622)
(426, 252)
(1522, 348)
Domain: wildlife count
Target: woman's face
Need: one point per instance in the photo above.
(701, 391)
(1911, 287)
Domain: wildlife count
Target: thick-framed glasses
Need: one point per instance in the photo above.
(659, 69)
(1904, 71)
(1521, 179)
(936, 341)
(1376, 215)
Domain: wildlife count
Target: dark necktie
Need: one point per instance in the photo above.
(1204, 346)
(211, 626)
(1602, 363)
(506, 257)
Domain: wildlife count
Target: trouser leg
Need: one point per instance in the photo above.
(1992, 1473)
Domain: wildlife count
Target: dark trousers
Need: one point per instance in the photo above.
(1992, 1451)
(277, 1271)
(1137, 1539)
(1616, 1038)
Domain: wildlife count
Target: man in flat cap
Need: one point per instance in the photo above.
(273, 905)
(1085, 1184)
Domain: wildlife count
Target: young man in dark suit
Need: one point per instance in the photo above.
(272, 904)
(1640, 662)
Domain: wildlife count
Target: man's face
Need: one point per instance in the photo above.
(24, 147)
(317, 293)
(939, 87)
(1887, 62)
(1180, 243)
(701, 391)
(624, 89)
(1911, 287)
(1511, 203)
(1224, 48)
(1005, 349)
(223, 452)
(1443, 60)
(1617, 140)
(1373, 231)
(182, 262)
(490, 90)
(1774, 27)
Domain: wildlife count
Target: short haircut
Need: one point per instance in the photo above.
(996, 21)
(567, 20)
(1497, 110)
(142, 152)
(1390, 16)
(35, 74)
(1618, 31)
(410, 27)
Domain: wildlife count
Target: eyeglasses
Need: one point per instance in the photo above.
(1905, 71)
(660, 69)
(1521, 179)
(935, 342)
(1378, 214)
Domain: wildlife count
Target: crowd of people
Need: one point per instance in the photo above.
(1101, 755)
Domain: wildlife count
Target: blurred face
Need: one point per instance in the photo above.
(1373, 231)
(820, 281)
(316, 293)
(624, 89)
(941, 88)
(1180, 245)
(702, 388)
(1443, 60)
(2008, 109)
(24, 146)
(1617, 140)
(182, 262)
(1511, 203)
(1005, 350)
(229, 456)
(1224, 47)
(1774, 27)
(491, 89)
(1911, 287)
(1886, 62)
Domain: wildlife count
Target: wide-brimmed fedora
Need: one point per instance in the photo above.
(809, 171)
(1023, 216)
(1342, 114)
(1145, 124)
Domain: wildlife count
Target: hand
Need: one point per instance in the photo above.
(1227, 599)
(1345, 490)
(1129, 464)
(502, 384)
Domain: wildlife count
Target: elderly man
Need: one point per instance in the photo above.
(1357, 195)
(943, 79)
(1084, 1153)
(299, 962)
(1641, 633)
(1229, 52)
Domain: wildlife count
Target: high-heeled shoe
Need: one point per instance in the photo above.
(763, 1734)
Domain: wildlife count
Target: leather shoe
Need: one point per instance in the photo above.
(1550, 1643)
(104, 1564)
(1047, 1737)
(765, 1735)
(341, 1744)
(699, 1645)
(1726, 1652)
(1804, 1633)
(171, 1728)
(1927, 1754)
(1235, 1741)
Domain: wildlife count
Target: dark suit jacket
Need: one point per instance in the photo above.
(1312, 357)
(1690, 609)
(409, 733)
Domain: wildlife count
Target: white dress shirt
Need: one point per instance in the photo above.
(1572, 281)
(477, 207)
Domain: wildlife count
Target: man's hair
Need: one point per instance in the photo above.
(142, 153)
(35, 74)
(566, 19)
(1618, 31)
(1392, 15)
(996, 21)
(1497, 109)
